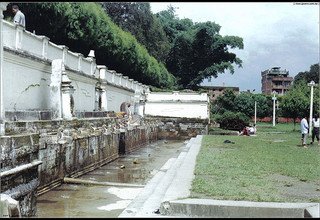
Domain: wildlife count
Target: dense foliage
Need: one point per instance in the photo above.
(232, 120)
(191, 51)
(197, 51)
(85, 25)
(244, 103)
(296, 102)
(308, 76)
(137, 18)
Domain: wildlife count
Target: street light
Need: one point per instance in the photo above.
(311, 84)
(255, 113)
(274, 98)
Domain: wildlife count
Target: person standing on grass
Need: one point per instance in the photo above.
(315, 131)
(304, 131)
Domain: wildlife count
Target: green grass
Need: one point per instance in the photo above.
(242, 171)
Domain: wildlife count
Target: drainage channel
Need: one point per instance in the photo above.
(83, 200)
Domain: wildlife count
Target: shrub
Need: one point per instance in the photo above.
(232, 120)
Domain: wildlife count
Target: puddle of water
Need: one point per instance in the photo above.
(70, 200)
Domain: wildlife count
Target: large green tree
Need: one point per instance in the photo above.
(312, 74)
(198, 50)
(295, 103)
(137, 18)
(244, 103)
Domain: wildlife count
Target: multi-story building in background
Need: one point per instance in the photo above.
(215, 91)
(275, 80)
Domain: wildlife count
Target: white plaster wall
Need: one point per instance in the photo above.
(84, 94)
(180, 110)
(116, 96)
(26, 83)
(8, 35)
(169, 96)
(86, 66)
(72, 60)
(27, 80)
(31, 44)
(108, 76)
(176, 104)
(54, 52)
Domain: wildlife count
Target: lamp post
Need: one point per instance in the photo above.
(311, 84)
(255, 113)
(274, 98)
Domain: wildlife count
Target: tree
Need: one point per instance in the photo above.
(295, 103)
(224, 102)
(264, 105)
(198, 50)
(137, 18)
(172, 25)
(312, 74)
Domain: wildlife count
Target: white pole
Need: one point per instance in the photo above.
(255, 113)
(274, 110)
(311, 107)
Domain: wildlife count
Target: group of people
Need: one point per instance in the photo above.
(305, 129)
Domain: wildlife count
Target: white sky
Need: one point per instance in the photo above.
(274, 34)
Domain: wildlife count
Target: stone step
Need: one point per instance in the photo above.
(151, 196)
(180, 185)
(153, 202)
(238, 209)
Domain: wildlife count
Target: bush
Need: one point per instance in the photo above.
(232, 120)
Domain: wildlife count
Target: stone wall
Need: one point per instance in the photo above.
(19, 170)
(65, 148)
(181, 128)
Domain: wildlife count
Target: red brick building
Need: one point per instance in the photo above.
(215, 91)
(275, 79)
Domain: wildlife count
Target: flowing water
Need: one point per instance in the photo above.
(71, 200)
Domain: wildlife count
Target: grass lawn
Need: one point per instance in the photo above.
(271, 166)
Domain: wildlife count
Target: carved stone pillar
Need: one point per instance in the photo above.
(61, 91)
(66, 90)
(102, 85)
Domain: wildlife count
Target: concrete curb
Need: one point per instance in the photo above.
(238, 209)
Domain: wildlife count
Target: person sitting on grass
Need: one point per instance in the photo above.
(248, 130)
(252, 130)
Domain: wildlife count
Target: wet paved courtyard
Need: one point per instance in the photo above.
(71, 200)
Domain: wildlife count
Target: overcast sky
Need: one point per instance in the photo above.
(274, 34)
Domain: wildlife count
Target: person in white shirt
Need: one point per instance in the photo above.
(315, 131)
(304, 131)
(19, 17)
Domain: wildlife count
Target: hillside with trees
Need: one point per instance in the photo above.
(191, 51)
